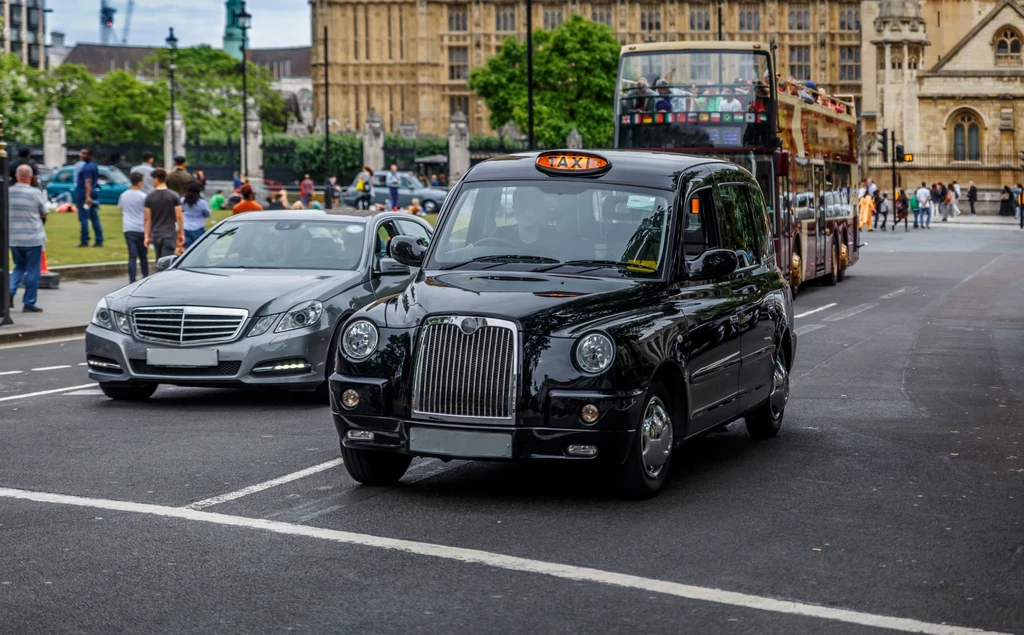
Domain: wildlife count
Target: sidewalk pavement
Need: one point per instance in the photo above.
(67, 310)
(988, 221)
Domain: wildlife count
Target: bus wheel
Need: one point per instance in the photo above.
(844, 261)
(833, 275)
(795, 269)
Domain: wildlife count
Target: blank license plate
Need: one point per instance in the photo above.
(188, 357)
(461, 443)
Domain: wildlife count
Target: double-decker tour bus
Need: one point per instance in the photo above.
(724, 99)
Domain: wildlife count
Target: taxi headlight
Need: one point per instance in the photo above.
(103, 316)
(262, 324)
(594, 353)
(301, 316)
(360, 339)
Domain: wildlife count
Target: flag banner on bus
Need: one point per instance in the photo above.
(716, 117)
(750, 117)
(691, 117)
(704, 116)
(647, 119)
(659, 118)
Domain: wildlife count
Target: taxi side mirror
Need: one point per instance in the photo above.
(391, 267)
(165, 262)
(408, 250)
(713, 264)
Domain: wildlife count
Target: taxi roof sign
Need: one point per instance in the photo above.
(569, 162)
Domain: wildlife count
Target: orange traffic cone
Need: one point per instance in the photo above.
(47, 278)
(44, 268)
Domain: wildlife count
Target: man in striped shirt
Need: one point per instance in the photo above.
(28, 209)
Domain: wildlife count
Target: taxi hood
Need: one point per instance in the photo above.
(541, 302)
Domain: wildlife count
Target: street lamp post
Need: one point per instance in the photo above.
(243, 21)
(172, 43)
(529, 74)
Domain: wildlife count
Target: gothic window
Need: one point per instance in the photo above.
(700, 17)
(966, 137)
(800, 18)
(458, 104)
(800, 62)
(849, 63)
(650, 19)
(750, 18)
(505, 18)
(849, 18)
(458, 63)
(458, 18)
(602, 14)
(1008, 48)
(552, 18)
(700, 67)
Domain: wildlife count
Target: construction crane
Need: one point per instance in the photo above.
(107, 23)
(127, 21)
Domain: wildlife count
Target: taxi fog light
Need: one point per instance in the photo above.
(589, 413)
(582, 450)
(350, 399)
(359, 435)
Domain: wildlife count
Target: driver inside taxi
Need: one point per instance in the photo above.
(528, 232)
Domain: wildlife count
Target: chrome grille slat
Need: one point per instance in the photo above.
(188, 325)
(462, 376)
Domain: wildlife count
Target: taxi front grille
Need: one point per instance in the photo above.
(188, 325)
(466, 369)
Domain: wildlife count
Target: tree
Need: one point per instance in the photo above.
(574, 71)
(127, 109)
(72, 90)
(19, 99)
(209, 91)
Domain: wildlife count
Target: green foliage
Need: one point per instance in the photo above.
(481, 142)
(209, 91)
(125, 108)
(346, 157)
(65, 87)
(20, 89)
(574, 71)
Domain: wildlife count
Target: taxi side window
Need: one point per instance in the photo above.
(385, 232)
(761, 226)
(698, 225)
(736, 224)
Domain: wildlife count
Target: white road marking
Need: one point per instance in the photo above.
(860, 308)
(898, 292)
(88, 392)
(259, 487)
(83, 364)
(807, 328)
(47, 392)
(510, 563)
(56, 340)
(820, 308)
(52, 367)
(11, 372)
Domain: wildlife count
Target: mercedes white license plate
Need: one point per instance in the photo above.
(461, 443)
(184, 357)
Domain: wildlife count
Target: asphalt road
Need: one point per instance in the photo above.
(892, 501)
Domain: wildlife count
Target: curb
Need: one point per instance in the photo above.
(41, 334)
(96, 270)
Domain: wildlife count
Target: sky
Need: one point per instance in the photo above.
(275, 23)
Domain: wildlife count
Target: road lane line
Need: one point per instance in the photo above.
(52, 367)
(898, 292)
(55, 340)
(88, 392)
(259, 487)
(47, 392)
(860, 308)
(820, 308)
(807, 328)
(11, 372)
(510, 563)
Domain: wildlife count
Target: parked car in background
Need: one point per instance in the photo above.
(45, 175)
(112, 183)
(411, 187)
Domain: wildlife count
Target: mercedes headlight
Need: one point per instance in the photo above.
(360, 339)
(103, 316)
(262, 324)
(301, 316)
(594, 353)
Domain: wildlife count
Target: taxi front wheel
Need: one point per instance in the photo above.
(128, 392)
(646, 469)
(372, 467)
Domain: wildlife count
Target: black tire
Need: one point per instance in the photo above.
(765, 422)
(128, 392)
(636, 479)
(832, 278)
(372, 467)
(842, 271)
(429, 207)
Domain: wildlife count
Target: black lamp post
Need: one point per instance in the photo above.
(172, 43)
(243, 21)
(529, 75)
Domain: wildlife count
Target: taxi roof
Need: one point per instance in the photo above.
(642, 168)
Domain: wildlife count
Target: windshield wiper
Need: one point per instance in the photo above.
(599, 263)
(503, 258)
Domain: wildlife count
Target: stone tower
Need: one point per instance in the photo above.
(233, 34)
(900, 40)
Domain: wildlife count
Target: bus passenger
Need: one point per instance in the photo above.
(729, 103)
(639, 98)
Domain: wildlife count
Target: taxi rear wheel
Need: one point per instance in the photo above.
(128, 392)
(764, 423)
(373, 467)
(646, 469)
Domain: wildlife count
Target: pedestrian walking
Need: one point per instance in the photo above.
(867, 208)
(194, 211)
(972, 197)
(132, 203)
(393, 180)
(902, 211)
(306, 188)
(364, 185)
(146, 170)
(335, 189)
(87, 198)
(1006, 201)
(179, 177)
(915, 209)
(164, 223)
(882, 211)
(27, 236)
(1017, 191)
(924, 198)
(24, 158)
(433, 181)
(872, 188)
(248, 203)
(236, 181)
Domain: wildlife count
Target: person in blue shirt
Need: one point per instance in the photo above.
(87, 198)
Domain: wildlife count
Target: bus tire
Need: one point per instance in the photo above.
(832, 278)
(842, 262)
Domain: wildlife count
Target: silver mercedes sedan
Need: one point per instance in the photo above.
(257, 301)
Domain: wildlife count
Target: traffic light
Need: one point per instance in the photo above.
(883, 144)
(898, 153)
(1022, 159)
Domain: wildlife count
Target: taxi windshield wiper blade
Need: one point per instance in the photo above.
(599, 263)
(503, 258)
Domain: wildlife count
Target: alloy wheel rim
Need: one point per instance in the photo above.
(780, 386)
(655, 437)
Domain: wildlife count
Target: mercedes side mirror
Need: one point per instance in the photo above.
(391, 267)
(712, 264)
(165, 262)
(408, 250)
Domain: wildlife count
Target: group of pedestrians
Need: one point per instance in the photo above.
(938, 200)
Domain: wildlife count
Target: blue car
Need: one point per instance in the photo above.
(112, 183)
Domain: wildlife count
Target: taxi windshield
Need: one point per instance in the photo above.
(603, 229)
(291, 244)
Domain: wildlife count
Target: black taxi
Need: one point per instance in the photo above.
(573, 306)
